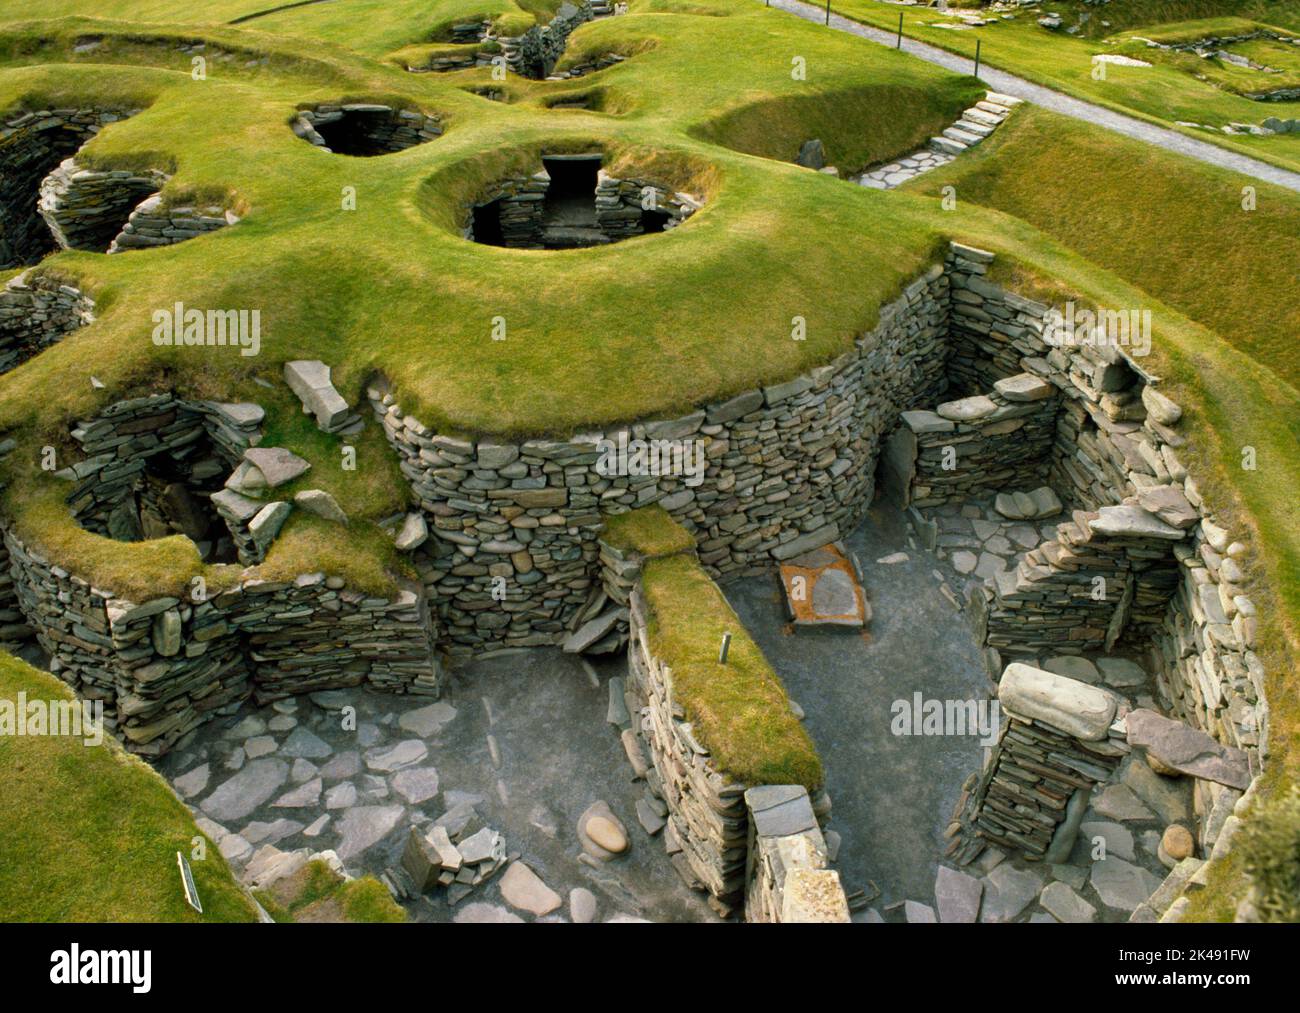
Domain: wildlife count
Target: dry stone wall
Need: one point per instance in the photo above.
(758, 847)
(32, 144)
(36, 312)
(86, 208)
(788, 468)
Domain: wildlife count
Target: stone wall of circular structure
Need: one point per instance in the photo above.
(32, 144)
(35, 312)
(788, 468)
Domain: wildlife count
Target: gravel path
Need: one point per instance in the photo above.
(1009, 84)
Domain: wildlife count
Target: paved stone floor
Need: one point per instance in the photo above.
(522, 737)
(892, 794)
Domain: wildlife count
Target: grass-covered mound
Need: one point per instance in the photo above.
(739, 710)
(89, 833)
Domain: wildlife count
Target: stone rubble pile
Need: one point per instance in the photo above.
(35, 312)
(449, 855)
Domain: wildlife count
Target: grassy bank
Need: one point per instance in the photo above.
(90, 833)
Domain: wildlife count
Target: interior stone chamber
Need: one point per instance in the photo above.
(571, 201)
(788, 468)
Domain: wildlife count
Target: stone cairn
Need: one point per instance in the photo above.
(35, 312)
(32, 143)
(386, 128)
(87, 208)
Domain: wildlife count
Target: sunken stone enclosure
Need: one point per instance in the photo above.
(364, 129)
(960, 387)
(573, 202)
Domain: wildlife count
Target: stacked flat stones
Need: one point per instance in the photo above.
(535, 53)
(997, 439)
(86, 208)
(153, 223)
(521, 204)
(122, 439)
(789, 467)
(619, 204)
(387, 128)
(1174, 576)
(708, 833)
(788, 879)
(1051, 599)
(31, 144)
(35, 312)
(164, 666)
(1060, 740)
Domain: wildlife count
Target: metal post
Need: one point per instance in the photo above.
(977, 57)
(828, 11)
(900, 31)
(726, 645)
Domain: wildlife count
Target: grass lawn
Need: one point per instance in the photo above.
(1164, 93)
(316, 893)
(90, 833)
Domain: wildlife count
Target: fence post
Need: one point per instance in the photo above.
(977, 57)
(828, 11)
(899, 44)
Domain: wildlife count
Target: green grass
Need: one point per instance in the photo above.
(90, 833)
(650, 531)
(1165, 93)
(739, 711)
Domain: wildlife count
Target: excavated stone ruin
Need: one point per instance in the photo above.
(365, 130)
(180, 456)
(35, 312)
(32, 145)
(572, 202)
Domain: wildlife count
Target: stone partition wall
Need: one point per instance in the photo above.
(1173, 576)
(1059, 742)
(708, 833)
(165, 666)
(790, 468)
(787, 877)
(35, 312)
(969, 446)
(32, 144)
